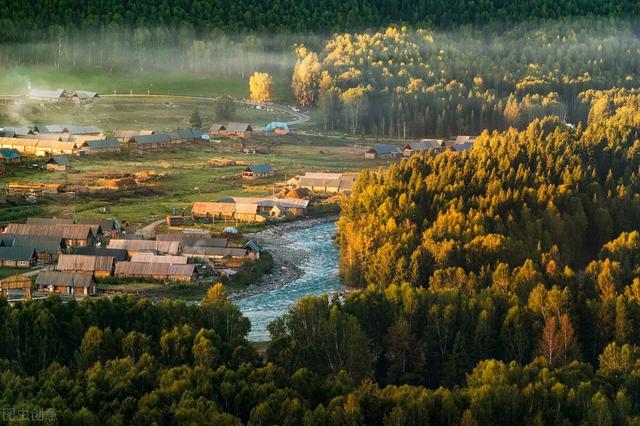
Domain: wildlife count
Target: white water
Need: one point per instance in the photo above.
(320, 267)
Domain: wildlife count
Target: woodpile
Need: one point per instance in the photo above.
(221, 162)
(124, 182)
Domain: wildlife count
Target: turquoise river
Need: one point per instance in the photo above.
(319, 265)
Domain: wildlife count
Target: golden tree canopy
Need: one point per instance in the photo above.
(260, 87)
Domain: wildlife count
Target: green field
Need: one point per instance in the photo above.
(14, 81)
(131, 113)
(188, 176)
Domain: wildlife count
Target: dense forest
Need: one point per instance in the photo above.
(406, 83)
(362, 361)
(502, 287)
(18, 17)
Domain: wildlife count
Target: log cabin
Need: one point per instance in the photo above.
(67, 283)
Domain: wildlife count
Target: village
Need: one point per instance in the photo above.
(197, 241)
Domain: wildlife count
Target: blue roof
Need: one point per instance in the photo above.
(275, 125)
(102, 143)
(385, 149)
(190, 133)
(51, 128)
(8, 153)
(17, 253)
(155, 138)
(261, 168)
(253, 246)
(59, 160)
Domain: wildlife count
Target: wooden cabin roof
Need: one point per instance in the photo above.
(65, 279)
(81, 262)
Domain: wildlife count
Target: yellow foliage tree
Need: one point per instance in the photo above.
(216, 295)
(260, 87)
(307, 74)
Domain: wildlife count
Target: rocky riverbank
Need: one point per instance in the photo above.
(287, 260)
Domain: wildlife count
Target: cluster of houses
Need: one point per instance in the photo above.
(85, 250)
(43, 240)
(460, 144)
(52, 140)
(57, 95)
(58, 140)
(146, 140)
(244, 130)
(247, 209)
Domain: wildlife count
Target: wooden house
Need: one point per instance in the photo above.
(191, 135)
(99, 146)
(257, 171)
(292, 206)
(109, 228)
(253, 249)
(47, 95)
(18, 257)
(10, 155)
(16, 131)
(174, 220)
(239, 130)
(156, 271)
(436, 145)
(276, 211)
(464, 139)
(382, 151)
(40, 145)
(23, 146)
(118, 254)
(73, 235)
(83, 96)
(48, 249)
(247, 212)
(461, 147)
(217, 129)
(151, 142)
(329, 183)
(100, 266)
(46, 148)
(154, 258)
(277, 128)
(16, 282)
(58, 164)
(216, 253)
(50, 128)
(211, 210)
(67, 283)
(146, 246)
